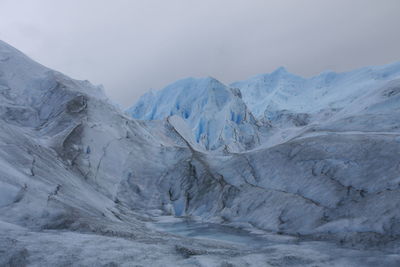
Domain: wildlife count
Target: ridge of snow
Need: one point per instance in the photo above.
(280, 90)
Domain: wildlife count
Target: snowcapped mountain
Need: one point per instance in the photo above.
(281, 95)
(82, 183)
(215, 113)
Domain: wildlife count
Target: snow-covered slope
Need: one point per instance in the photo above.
(29, 92)
(80, 181)
(67, 158)
(215, 113)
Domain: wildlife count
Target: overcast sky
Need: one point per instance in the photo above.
(130, 46)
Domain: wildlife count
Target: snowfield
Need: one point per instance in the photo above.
(278, 170)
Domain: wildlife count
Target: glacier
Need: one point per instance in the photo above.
(257, 173)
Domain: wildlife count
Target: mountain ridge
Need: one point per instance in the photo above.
(275, 102)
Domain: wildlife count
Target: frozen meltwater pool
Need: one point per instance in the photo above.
(281, 250)
(218, 232)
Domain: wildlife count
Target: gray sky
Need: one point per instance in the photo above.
(130, 46)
